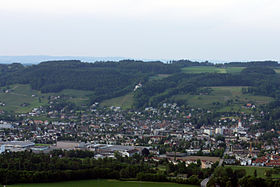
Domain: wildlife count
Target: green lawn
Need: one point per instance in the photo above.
(222, 95)
(250, 170)
(125, 102)
(103, 183)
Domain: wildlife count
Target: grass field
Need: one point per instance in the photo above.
(103, 183)
(125, 102)
(211, 69)
(223, 95)
(19, 95)
(277, 70)
(159, 76)
(250, 170)
(21, 98)
(78, 97)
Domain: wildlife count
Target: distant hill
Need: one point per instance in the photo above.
(161, 82)
(40, 58)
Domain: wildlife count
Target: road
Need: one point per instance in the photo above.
(206, 180)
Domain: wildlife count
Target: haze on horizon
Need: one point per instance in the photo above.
(229, 30)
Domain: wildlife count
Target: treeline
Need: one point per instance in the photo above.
(58, 165)
(188, 63)
(27, 167)
(267, 63)
(225, 176)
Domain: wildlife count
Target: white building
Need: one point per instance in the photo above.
(219, 131)
(2, 149)
(210, 132)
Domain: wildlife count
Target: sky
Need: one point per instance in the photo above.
(224, 30)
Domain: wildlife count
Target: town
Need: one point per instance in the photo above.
(170, 132)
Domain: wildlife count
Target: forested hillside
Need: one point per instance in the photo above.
(106, 79)
(113, 79)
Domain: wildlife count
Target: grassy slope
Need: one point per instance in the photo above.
(19, 94)
(219, 94)
(203, 69)
(250, 170)
(211, 69)
(104, 183)
(222, 95)
(159, 76)
(125, 102)
(277, 70)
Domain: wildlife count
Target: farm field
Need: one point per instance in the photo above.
(222, 95)
(211, 69)
(250, 170)
(103, 183)
(125, 102)
(21, 98)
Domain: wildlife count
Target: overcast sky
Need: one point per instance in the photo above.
(228, 30)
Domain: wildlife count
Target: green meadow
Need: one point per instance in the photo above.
(250, 171)
(103, 183)
(21, 98)
(223, 95)
(159, 76)
(211, 69)
(125, 102)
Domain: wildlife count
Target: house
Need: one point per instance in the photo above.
(129, 153)
(206, 164)
(260, 161)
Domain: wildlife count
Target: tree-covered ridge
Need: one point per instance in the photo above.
(258, 70)
(106, 79)
(259, 82)
(113, 79)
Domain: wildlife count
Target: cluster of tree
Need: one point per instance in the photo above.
(258, 70)
(188, 63)
(26, 167)
(270, 120)
(258, 182)
(58, 165)
(215, 153)
(267, 63)
(225, 176)
(191, 169)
